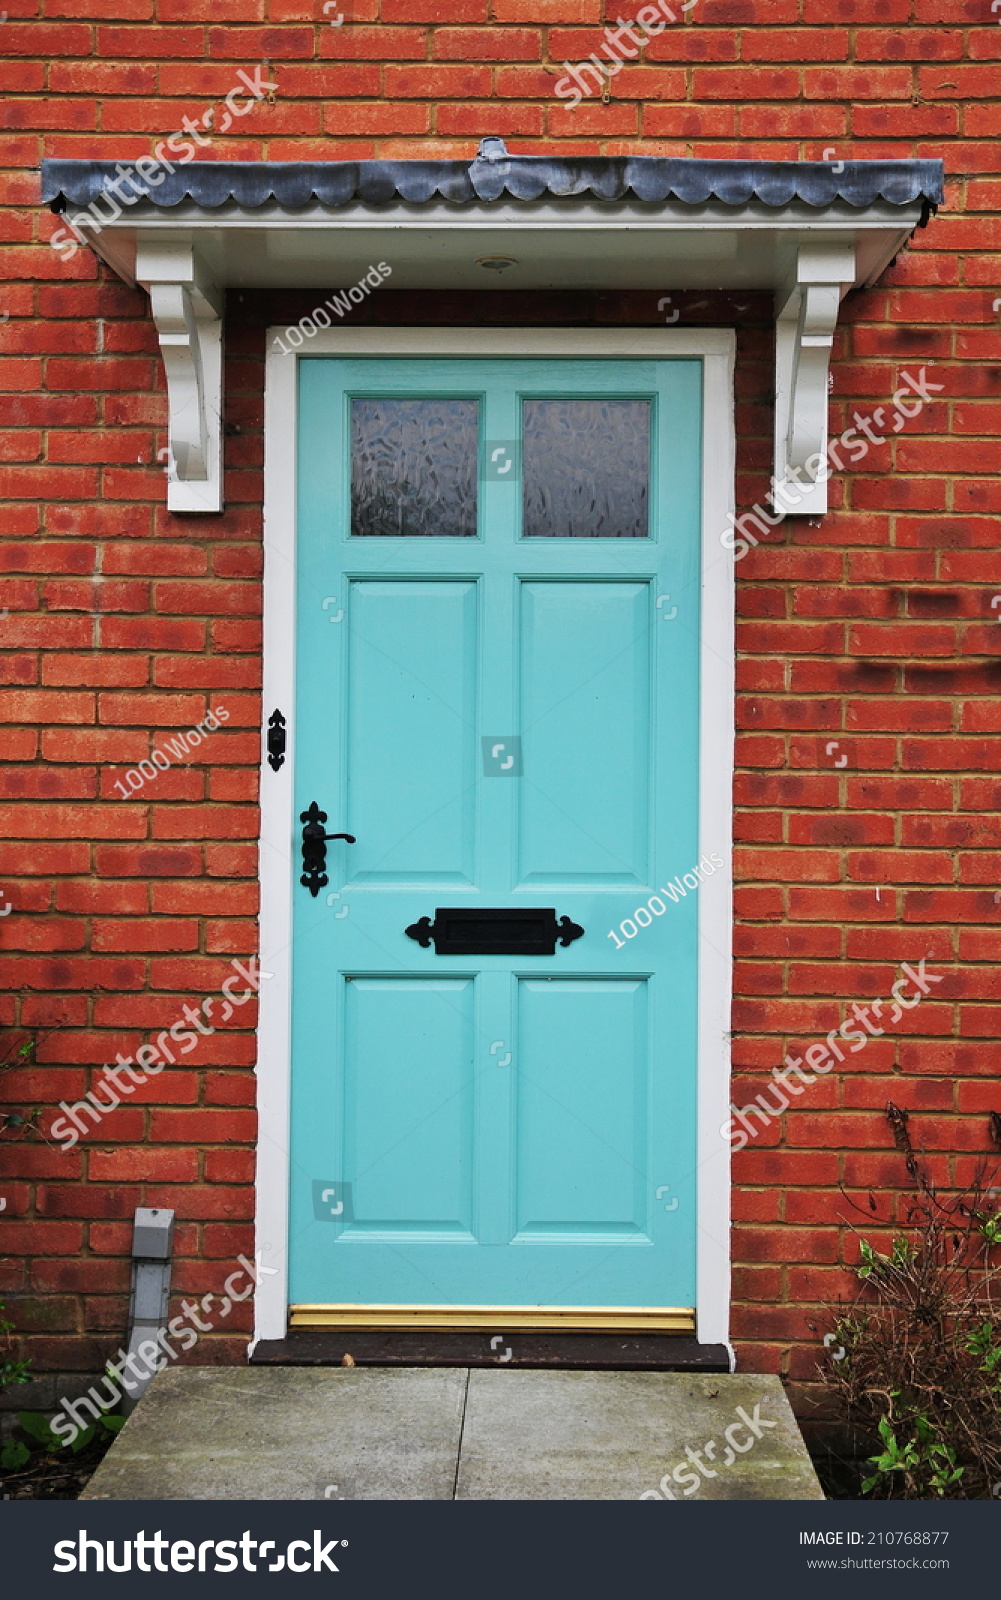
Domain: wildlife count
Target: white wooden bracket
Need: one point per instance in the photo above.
(806, 314)
(187, 311)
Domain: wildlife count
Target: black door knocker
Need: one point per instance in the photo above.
(314, 848)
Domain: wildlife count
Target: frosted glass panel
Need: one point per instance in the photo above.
(586, 467)
(413, 468)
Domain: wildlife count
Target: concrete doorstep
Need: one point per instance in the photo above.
(380, 1433)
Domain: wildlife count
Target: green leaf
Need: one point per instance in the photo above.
(38, 1426)
(903, 1252)
(14, 1372)
(869, 1259)
(115, 1424)
(14, 1454)
(83, 1439)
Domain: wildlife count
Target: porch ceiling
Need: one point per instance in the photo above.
(804, 230)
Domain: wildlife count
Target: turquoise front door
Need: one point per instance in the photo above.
(494, 993)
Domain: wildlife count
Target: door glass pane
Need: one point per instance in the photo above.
(413, 468)
(586, 469)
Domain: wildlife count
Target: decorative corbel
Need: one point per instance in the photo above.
(187, 310)
(806, 313)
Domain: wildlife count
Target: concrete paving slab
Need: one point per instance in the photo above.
(615, 1435)
(438, 1433)
(230, 1433)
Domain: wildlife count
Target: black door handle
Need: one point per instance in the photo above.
(314, 848)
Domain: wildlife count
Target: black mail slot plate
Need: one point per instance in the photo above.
(488, 931)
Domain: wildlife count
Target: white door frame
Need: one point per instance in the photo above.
(279, 870)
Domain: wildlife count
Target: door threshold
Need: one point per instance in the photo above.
(515, 1319)
(592, 1352)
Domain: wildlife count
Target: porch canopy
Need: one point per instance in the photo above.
(806, 230)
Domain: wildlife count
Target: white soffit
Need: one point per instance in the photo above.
(556, 246)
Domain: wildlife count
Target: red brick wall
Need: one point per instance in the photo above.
(873, 626)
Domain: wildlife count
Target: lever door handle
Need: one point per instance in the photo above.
(314, 848)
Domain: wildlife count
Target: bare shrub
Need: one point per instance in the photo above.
(921, 1368)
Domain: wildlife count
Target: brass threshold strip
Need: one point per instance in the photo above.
(513, 1319)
